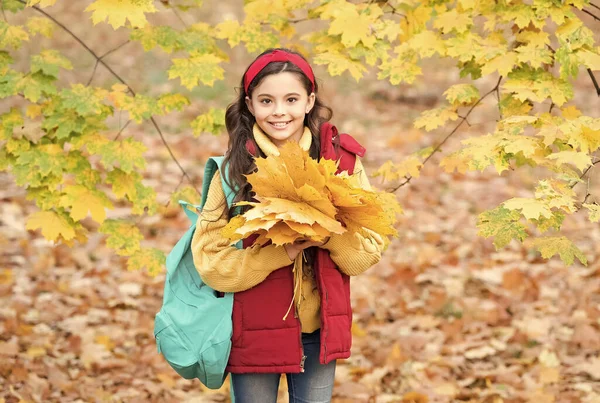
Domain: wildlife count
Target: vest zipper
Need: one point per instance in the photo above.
(326, 327)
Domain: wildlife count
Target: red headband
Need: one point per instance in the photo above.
(277, 56)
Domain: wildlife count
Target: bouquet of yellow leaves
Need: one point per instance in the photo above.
(300, 198)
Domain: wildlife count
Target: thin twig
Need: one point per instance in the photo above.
(178, 16)
(176, 189)
(587, 12)
(3, 12)
(121, 131)
(162, 137)
(595, 6)
(594, 81)
(451, 133)
(102, 57)
(585, 172)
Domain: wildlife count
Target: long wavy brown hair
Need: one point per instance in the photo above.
(239, 122)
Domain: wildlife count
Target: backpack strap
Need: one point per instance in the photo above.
(213, 165)
(347, 150)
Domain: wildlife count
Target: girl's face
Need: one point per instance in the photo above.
(279, 104)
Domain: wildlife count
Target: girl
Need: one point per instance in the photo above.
(279, 103)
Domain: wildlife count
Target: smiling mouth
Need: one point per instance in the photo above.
(279, 125)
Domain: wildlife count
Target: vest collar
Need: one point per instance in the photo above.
(270, 149)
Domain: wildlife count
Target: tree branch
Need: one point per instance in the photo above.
(99, 60)
(595, 6)
(178, 16)
(463, 119)
(102, 57)
(587, 12)
(594, 81)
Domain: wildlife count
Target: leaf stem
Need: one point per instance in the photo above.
(463, 119)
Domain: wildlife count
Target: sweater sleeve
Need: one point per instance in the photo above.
(354, 253)
(221, 265)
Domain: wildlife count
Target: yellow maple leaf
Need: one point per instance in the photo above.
(337, 63)
(455, 161)
(530, 208)
(453, 21)
(587, 139)
(298, 198)
(353, 27)
(503, 64)
(434, 118)
(118, 11)
(82, 200)
(52, 224)
(427, 43)
(42, 3)
(570, 112)
(579, 159)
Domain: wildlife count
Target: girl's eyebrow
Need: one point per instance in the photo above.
(286, 95)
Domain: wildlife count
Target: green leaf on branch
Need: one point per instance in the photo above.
(151, 259)
(12, 35)
(594, 211)
(49, 62)
(198, 67)
(211, 122)
(44, 197)
(172, 102)
(123, 183)
(40, 25)
(84, 100)
(127, 154)
(35, 86)
(45, 159)
(544, 224)
(124, 237)
(462, 94)
(502, 224)
(144, 200)
(80, 167)
(562, 246)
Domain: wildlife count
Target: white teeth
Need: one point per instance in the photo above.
(279, 124)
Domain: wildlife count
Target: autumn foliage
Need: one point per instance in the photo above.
(300, 198)
(58, 147)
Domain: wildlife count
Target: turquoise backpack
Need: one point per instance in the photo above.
(193, 327)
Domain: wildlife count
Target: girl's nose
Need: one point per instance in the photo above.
(279, 110)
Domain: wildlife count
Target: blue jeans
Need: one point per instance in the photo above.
(314, 385)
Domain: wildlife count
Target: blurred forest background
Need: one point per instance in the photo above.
(444, 317)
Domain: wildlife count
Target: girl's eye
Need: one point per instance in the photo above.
(265, 101)
(292, 99)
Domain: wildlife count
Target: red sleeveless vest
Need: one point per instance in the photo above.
(262, 341)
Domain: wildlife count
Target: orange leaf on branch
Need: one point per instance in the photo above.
(300, 198)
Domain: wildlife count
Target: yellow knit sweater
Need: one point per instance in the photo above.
(228, 269)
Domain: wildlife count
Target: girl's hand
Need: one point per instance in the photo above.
(294, 249)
